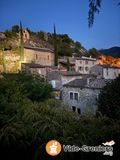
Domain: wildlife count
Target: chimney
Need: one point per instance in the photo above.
(88, 81)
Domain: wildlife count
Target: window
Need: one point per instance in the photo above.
(80, 62)
(80, 68)
(107, 72)
(36, 56)
(71, 95)
(114, 73)
(48, 57)
(92, 62)
(74, 108)
(87, 68)
(79, 110)
(76, 96)
(86, 62)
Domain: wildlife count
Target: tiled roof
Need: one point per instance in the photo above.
(99, 83)
(56, 75)
(77, 83)
(107, 66)
(32, 65)
(86, 59)
(38, 49)
(71, 73)
(93, 83)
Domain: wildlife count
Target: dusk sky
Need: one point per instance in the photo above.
(69, 16)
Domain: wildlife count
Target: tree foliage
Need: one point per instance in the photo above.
(109, 99)
(55, 48)
(26, 126)
(68, 64)
(94, 6)
(15, 29)
(9, 34)
(21, 43)
(94, 53)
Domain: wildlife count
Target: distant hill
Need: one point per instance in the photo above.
(113, 51)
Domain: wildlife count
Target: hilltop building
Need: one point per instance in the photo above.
(42, 56)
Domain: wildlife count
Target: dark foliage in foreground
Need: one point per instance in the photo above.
(27, 125)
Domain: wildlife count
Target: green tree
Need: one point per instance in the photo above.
(68, 64)
(65, 49)
(4, 61)
(78, 45)
(109, 99)
(26, 126)
(21, 43)
(9, 34)
(38, 88)
(15, 29)
(55, 48)
(94, 52)
(41, 35)
(94, 6)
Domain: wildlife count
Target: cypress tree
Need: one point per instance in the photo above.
(21, 43)
(4, 61)
(55, 48)
(68, 64)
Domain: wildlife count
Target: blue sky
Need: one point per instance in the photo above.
(69, 16)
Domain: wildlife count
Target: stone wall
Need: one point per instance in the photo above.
(86, 98)
(105, 72)
(39, 70)
(12, 61)
(39, 57)
(85, 65)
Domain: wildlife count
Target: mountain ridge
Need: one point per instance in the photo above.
(112, 51)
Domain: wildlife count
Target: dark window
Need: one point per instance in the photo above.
(114, 73)
(80, 68)
(74, 108)
(71, 95)
(86, 62)
(107, 72)
(86, 68)
(36, 56)
(79, 110)
(48, 57)
(76, 96)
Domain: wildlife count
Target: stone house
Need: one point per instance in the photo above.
(105, 71)
(63, 62)
(42, 56)
(40, 69)
(81, 94)
(84, 64)
(33, 68)
(59, 78)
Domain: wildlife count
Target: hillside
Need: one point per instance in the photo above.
(113, 51)
(66, 46)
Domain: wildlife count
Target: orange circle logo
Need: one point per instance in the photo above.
(53, 147)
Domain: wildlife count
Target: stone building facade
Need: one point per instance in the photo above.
(42, 56)
(33, 68)
(105, 71)
(84, 64)
(81, 94)
(26, 35)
